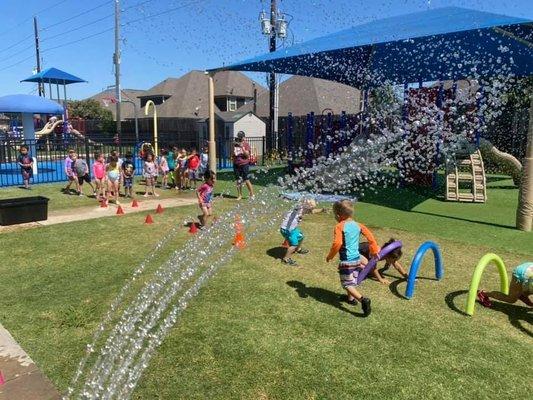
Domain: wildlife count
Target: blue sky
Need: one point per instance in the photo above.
(163, 38)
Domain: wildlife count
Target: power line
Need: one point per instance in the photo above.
(17, 63)
(77, 40)
(77, 28)
(38, 12)
(77, 15)
(16, 44)
(165, 12)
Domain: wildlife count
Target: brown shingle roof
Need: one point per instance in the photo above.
(189, 94)
(301, 95)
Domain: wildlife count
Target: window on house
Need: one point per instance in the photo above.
(232, 104)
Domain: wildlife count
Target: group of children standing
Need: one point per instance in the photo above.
(181, 169)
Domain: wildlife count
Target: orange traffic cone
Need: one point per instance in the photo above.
(103, 203)
(134, 203)
(239, 240)
(2, 380)
(285, 244)
(159, 209)
(120, 210)
(149, 219)
(193, 229)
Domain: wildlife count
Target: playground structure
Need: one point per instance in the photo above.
(465, 176)
(476, 278)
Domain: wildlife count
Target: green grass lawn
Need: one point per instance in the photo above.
(260, 330)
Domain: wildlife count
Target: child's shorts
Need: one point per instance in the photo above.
(524, 275)
(349, 271)
(128, 182)
(27, 173)
(194, 174)
(294, 237)
(84, 178)
(205, 205)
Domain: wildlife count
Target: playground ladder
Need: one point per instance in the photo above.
(465, 177)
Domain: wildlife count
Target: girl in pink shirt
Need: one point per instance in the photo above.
(99, 176)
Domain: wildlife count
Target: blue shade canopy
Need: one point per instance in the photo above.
(55, 76)
(439, 44)
(23, 103)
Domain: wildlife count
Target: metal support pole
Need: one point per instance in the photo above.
(116, 60)
(290, 138)
(524, 213)
(272, 78)
(329, 125)
(480, 117)
(40, 85)
(212, 143)
(440, 125)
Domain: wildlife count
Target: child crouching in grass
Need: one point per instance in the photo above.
(521, 288)
(346, 243)
(291, 232)
(391, 259)
(205, 197)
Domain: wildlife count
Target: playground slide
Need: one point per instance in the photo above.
(508, 163)
(48, 128)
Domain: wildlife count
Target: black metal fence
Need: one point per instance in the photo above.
(50, 155)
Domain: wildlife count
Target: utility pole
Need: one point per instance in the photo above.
(40, 85)
(272, 79)
(116, 60)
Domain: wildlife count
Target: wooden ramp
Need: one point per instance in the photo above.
(465, 177)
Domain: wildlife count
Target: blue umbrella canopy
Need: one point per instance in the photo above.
(55, 76)
(439, 44)
(23, 103)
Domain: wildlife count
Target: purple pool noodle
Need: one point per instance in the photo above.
(374, 260)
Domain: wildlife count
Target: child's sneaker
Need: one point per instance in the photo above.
(352, 302)
(303, 251)
(289, 261)
(484, 299)
(365, 303)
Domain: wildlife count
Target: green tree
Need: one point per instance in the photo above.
(89, 109)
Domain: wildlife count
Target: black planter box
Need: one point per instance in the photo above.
(23, 209)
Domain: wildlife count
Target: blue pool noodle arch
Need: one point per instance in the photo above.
(417, 261)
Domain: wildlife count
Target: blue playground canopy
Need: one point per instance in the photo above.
(440, 44)
(54, 76)
(23, 103)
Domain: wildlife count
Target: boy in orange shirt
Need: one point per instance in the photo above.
(346, 243)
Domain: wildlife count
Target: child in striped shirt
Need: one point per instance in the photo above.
(346, 244)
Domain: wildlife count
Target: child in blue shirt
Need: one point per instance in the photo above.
(291, 232)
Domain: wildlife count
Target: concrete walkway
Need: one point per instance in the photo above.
(22, 379)
(85, 213)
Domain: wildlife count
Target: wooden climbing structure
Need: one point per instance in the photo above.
(465, 177)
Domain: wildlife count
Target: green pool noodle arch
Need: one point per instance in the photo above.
(476, 278)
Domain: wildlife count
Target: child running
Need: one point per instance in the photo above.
(150, 174)
(205, 194)
(521, 288)
(163, 168)
(128, 171)
(99, 173)
(291, 232)
(113, 178)
(25, 161)
(346, 243)
(390, 259)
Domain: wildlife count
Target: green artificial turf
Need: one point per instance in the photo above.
(260, 330)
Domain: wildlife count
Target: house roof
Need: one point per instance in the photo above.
(234, 83)
(189, 94)
(301, 95)
(126, 110)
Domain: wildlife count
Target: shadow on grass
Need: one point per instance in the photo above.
(321, 295)
(393, 287)
(465, 219)
(516, 314)
(276, 252)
